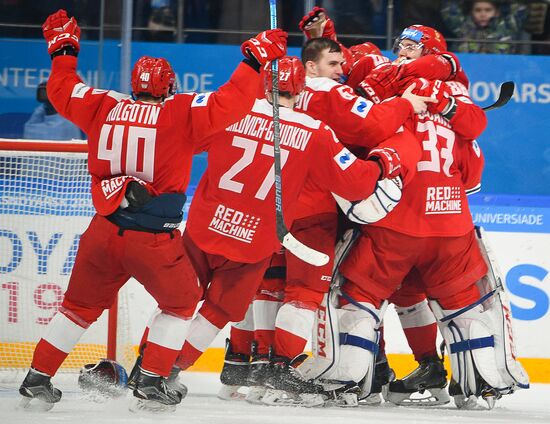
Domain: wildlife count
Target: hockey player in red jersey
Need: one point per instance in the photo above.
(433, 228)
(316, 223)
(427, 56)
(231, 225)
(139, 158)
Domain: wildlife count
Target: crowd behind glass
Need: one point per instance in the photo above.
(501, 26)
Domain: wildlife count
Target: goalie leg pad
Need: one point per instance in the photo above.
(475, 338)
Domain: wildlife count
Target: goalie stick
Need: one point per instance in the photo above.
(505, 94)
(305, 253)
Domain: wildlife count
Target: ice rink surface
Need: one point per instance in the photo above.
(202, 406)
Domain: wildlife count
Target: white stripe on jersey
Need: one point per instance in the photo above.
(265, 108)
(79, 90)
(321, 83)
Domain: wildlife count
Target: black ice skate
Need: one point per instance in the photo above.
(430, 376)
(152, 393)
(383, 376)
(172, 380)
(260, 369)
(37, 386)
(234, 374)
(287, 387)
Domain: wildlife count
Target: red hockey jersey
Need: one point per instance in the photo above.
(153, 142)
(434, 202)
(233, 209)
(354, 119)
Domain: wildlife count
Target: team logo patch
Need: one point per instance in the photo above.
(201, 99)
(443, 200)
(344, 158)
(361, 107)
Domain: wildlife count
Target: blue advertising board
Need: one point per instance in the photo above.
(515, 143)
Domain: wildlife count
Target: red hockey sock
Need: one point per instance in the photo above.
(188, 356)
(288, 344)
(422, 340)
(158, 359)
(241, 340)
(47, 358)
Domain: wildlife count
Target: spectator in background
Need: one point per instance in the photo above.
(46, 124)
(538, 25)
(426, 12)
(478, 21)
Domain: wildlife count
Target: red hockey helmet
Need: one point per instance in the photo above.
(292, 76)
(430, 39)
(153, 76)
(360, 50)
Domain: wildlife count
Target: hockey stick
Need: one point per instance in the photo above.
(506, 92)
(305, 253)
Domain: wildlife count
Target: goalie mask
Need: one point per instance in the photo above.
(154, 77)
(292, 76)
(430, 40)
(107, 378)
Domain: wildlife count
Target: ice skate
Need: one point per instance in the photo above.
(260, 369)
(383, 376)
(287, 387)
(425, 386)
(38, 392)
(343, 396)
(234, 374)
(488, 394)
(152, 393)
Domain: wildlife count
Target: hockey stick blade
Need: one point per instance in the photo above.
(506, 92)
(303, 252)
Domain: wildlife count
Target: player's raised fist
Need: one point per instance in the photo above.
(317, 24)
(389, 161)
(59, 31)
(266, 46)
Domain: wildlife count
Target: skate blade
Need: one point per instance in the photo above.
(33, 405)
(467, 403)
(255, 395)
(276, 397)
(430, 397)
(344, 400)
(231, 393)
(149, 406)
(374, 399)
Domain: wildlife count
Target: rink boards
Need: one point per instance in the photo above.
(38, 253)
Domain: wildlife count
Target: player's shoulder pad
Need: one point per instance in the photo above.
(321, 83)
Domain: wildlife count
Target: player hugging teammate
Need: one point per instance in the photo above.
(394, 147)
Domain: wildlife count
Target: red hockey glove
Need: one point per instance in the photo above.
(60, 31)
(266, 46)
(439, 91)
(317, 24)
(388, 160)
(431, 67)
(381, 83)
